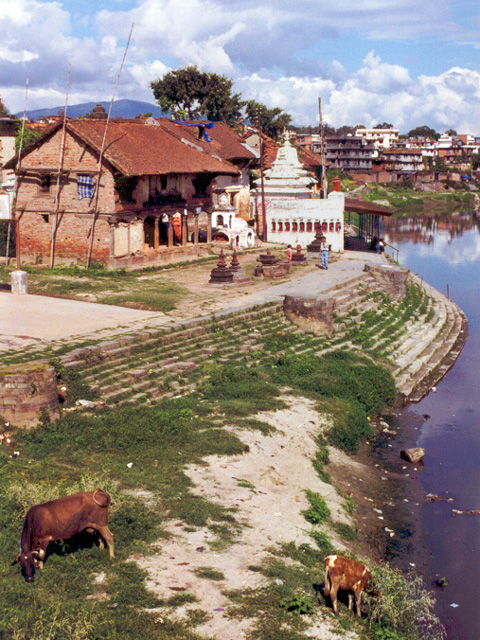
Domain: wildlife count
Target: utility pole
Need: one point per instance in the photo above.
(324, 184)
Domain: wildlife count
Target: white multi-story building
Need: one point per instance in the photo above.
(381, 138)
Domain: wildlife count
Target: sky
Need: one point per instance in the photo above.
(405, 62)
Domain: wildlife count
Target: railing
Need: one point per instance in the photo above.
(391, 252)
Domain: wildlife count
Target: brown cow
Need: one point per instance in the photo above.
(60, 520)
(346, 574)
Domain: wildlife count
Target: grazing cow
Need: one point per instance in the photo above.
(346, 574)
(60, 520)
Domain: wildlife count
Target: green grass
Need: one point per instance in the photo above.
(86, 449)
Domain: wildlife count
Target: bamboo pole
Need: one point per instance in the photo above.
(100, 159)
(60, 166)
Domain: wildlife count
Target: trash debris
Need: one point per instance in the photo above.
(412, 455)
(440, 583)
(454, 605)
(88, 404)
(129, 465)
(469, 512)
(432, 497)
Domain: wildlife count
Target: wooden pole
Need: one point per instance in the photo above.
(262, 185)
(17, 169)
(324, 184)
(60, 166)
(100, 159)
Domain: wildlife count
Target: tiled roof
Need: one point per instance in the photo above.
(224, 141)
(361, 206)
(137, 148)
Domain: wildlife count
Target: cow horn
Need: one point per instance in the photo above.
(36, 553)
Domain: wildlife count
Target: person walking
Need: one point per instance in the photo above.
(324, 252)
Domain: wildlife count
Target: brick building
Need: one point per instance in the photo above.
(144, 200)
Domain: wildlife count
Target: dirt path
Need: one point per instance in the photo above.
(267, 488)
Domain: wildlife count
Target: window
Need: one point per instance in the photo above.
(45, 183)
(287, 226)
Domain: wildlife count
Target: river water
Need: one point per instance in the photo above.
(445, 251)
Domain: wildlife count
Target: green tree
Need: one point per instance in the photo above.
(271, 121)
(346, 129)
(384, 125)
(423, 132)
(190, 94)
(451, 132)
(28, 135)
(3, 108)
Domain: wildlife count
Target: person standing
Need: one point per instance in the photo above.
(324, 252)
(289, 253)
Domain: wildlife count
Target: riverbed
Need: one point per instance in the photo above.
(446, 253)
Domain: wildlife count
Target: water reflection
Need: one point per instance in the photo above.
(438, 231)
(445, 249)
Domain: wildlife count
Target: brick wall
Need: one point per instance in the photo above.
(75, 216)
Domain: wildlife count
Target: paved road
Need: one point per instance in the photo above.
(28, 320)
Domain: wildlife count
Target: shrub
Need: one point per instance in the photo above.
(404, 605)
(350, 425)
(297, 604)
(318, 511)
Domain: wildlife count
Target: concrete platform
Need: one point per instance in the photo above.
(31, 320)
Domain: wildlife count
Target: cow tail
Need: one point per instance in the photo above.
(101, 497)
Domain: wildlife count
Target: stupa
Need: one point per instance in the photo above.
(292, 214)
(287, 178)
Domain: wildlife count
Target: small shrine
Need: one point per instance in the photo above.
(239, 275)
(230, 228)
(270, 266)
(221, 274)
(299, 257)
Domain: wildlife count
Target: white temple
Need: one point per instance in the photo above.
(292, 214)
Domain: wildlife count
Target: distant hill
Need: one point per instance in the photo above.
(120, 109)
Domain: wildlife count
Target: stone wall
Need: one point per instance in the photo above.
(25, 392)
(391, 279)
(311, 314)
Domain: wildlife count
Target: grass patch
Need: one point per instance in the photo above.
(209, 573)
(318, 511)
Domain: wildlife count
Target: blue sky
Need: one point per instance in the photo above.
(401, 61)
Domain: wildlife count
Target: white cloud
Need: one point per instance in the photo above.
(269, 48)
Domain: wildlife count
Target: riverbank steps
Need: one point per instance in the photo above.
(417, 339)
